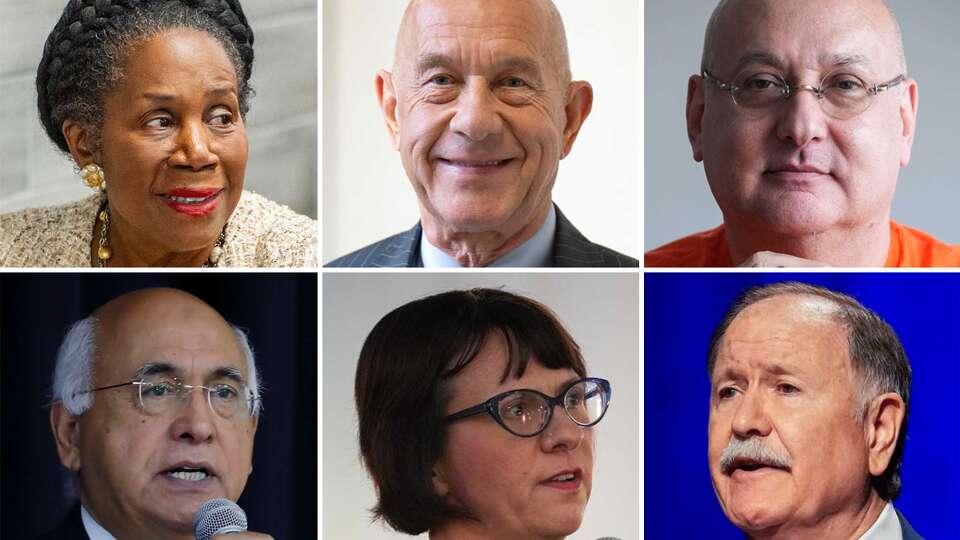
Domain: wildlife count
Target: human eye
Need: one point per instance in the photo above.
(514, 82)
(787, 389)
(441, 80)
(159, 122)
(726, 392)
(845, 83)
(158, 389)
(761, 82)
(225, 392)
(221, 118)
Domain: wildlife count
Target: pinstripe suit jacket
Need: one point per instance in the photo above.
(570, 249)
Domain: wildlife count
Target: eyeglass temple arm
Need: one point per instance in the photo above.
(470, 411)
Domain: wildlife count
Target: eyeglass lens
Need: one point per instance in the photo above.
(840, 95)
(159, 396)
(525, 413)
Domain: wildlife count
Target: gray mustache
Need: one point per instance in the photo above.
(754, 450)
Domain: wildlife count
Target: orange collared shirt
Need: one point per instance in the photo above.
(908, 248)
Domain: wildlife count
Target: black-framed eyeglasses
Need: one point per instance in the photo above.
(840, 94)
(526, 413)
(158, 396)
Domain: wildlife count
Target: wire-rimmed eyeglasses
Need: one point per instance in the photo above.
(158, 396)
(526, 413)
(840, 94)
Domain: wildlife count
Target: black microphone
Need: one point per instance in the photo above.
(218, 516)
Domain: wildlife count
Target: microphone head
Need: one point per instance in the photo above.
(218, 516)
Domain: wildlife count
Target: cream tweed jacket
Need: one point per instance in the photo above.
(260, 233)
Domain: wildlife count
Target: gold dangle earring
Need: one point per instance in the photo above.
(92, 176)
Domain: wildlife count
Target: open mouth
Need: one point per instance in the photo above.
(752, 465)
(192, 202)
(475, 164)
(565, 480)
(189, 474)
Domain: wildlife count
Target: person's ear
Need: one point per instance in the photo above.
(883, 424)
(440, 485)
(695, 107)
(80, 142)
(909, 101)
(577, 109)
(387, 98)
(66, 433)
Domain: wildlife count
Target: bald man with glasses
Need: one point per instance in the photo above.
(803, 114)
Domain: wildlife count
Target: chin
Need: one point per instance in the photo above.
(754, 515)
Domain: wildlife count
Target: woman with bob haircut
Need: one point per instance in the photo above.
(475, 418)
(149, 99)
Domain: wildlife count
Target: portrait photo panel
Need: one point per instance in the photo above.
(685, 413)
(278, 314)
(600, 314)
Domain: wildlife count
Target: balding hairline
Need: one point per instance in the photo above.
(711, 34)
(560, 59)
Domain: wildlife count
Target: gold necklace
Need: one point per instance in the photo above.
(104, 253)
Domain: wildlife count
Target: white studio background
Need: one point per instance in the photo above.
(281, 124)
(601, 312)
(677, 199)
(366, 194)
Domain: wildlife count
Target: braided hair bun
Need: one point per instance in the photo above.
(84, 54)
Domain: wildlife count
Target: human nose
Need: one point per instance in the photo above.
(476, 117)
(750, 417)
(802, 119)
(194, 420)
(561, 434)
(193, 147)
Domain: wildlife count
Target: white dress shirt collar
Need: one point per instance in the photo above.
(94, 530)
(534, 253)
(887, 526)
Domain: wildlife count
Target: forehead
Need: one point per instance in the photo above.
(176, 57)
(188, 335)
(465, 27)
(807, 34)
(481, 379)
(785, 334)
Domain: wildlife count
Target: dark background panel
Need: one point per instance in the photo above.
(680, 313)
(279, 312)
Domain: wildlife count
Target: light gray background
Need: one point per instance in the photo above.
(366, 194)
(281, 124)
(677, 199)
(600, 310)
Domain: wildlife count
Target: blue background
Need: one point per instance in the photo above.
(680, 313)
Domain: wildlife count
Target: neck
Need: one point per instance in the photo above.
(864, 244)
(479, 248)
(475, 530)
(131, 249)
(123, 528)
(844, 524)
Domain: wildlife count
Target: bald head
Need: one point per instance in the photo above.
(538, 17)
(729, 15)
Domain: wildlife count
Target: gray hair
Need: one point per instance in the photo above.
(73, 375)
(711, 35)
(876, 354)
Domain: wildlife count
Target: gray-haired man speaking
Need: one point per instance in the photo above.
(808, 409)
(156, 409)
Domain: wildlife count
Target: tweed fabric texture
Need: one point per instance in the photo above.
(260, 233)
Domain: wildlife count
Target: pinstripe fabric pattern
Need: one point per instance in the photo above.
(570, 249)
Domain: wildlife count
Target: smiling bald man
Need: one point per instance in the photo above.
(481, 106)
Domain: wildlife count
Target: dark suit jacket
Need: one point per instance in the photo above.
(570, 249)
(71, 528)
(908, 532)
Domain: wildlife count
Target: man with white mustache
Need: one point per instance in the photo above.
(810, 392)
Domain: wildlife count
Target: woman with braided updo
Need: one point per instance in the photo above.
(149, 99)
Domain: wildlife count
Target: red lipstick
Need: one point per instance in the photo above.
(195, 202)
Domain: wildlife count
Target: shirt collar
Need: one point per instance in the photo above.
(887, 526)
(535, 252)
(94, 530)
